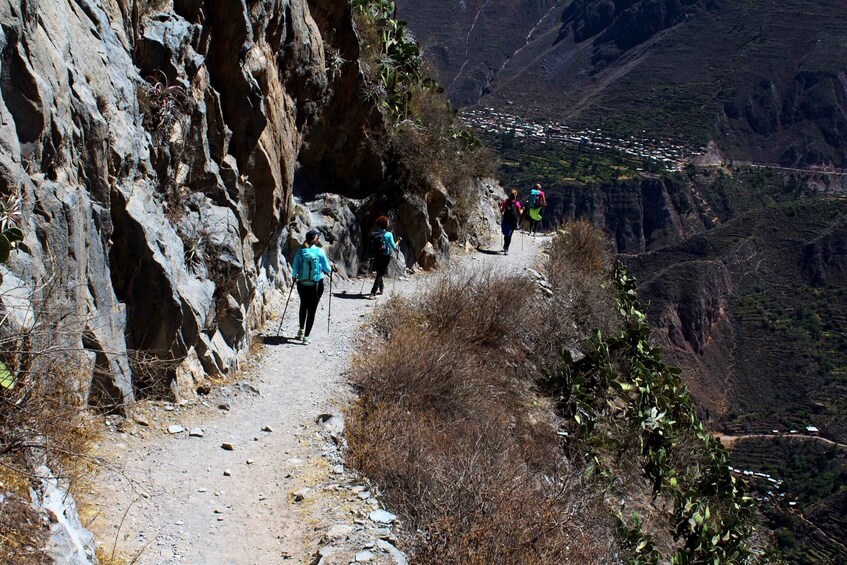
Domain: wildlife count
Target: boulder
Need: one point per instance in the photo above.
(428, 259)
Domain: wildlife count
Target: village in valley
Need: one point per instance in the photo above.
(668, 155)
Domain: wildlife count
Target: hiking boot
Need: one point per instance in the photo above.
(300, 334)
(505, 252)
(307, 340)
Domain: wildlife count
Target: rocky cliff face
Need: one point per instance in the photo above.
(161, 150)
(640, 214)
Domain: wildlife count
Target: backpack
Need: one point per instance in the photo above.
(376, 244)
(310, 267)
(534, 197)
(511, 214)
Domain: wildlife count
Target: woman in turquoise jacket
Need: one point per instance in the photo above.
(310, 266)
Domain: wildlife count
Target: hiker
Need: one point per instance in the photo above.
(537, 201)
(511, 210)
(310, 265)
(383, 246)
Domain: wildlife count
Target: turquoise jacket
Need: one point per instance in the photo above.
(304, 257)
(390, 244)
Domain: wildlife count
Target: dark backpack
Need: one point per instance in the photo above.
(511, 214)
(376, 244)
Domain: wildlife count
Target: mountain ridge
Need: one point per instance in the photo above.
(764, 80)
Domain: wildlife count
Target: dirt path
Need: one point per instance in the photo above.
(173, 498)
(729, 441)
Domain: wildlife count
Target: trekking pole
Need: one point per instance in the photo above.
(284, 310)
(394, 281)
(329, 314)
(368, 265)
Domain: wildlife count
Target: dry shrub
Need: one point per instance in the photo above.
(581, 246)
(578, 268)
(480, 309)
(391, 315)
(41, 421)
(23, 534)
(433, 146)
(43, 418)
(449, 426)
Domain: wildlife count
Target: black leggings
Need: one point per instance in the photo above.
(533, 225)
(381, 263)
(309, 298)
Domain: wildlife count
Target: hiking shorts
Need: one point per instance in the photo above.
(535, 214)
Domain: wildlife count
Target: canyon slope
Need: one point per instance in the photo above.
(764, 80)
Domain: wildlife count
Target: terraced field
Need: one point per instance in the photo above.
(809, 513)
(789, 332)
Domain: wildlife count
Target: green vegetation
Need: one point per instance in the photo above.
(623, 383)
(495, 448)
(10, 236)
(682, 112)
(523, 163)
(424, 142)
(783, 332)
(805, 328)
(815, 476)
(394, 59)
(745, 189)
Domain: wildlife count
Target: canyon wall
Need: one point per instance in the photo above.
(168, 156)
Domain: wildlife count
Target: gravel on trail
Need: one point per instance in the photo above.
(252, 472)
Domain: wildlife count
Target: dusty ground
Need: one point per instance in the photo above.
(172, 498)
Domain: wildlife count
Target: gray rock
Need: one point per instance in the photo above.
(428, 258)
(381, 533)
(165, 234)
(382, 517)
(196, 432)
(175, 429)
(365, 556)
(332, 424)
(398, 556)
(69, 541)
(576, 354)
(248, 388)
(339, 531)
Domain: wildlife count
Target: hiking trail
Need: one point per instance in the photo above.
(171, 492)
